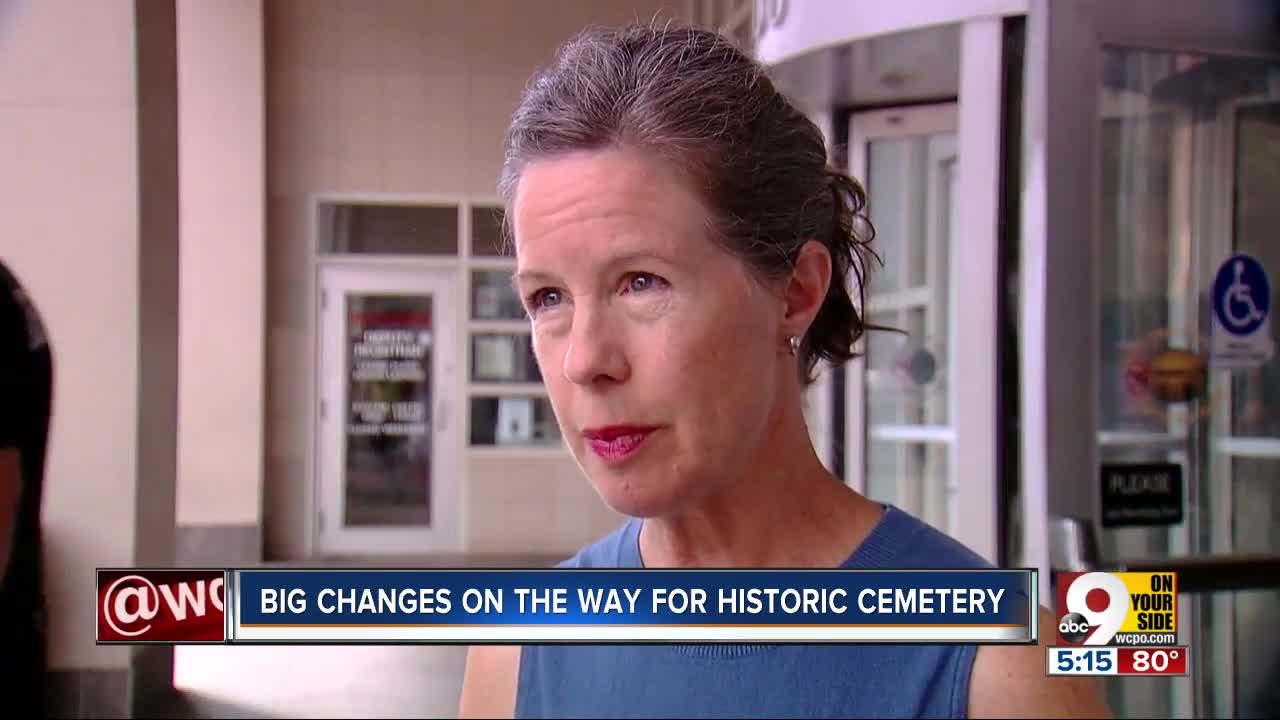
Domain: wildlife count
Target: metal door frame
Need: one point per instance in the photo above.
(1059, 225)
(443, 533)
(974, 281)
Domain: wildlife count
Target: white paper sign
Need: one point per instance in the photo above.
(515, 421)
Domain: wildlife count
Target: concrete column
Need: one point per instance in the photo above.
(221, 146)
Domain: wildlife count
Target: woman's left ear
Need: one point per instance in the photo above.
(807, 287)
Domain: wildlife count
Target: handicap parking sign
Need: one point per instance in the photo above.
(1241, 314)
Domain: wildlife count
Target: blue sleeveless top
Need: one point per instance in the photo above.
(776, 681)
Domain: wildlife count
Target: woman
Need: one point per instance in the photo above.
(681, 245)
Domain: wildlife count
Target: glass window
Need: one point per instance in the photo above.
(486, 232)
(493, 298)
(1189, 150)
(383, 229)
(911, 201)
(513, 421)
(911, 475)
(1257, 215)
(388, 433)
(888, 208)
(503, 357)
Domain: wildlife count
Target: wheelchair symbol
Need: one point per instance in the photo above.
(1237, 307)
(1242, 295)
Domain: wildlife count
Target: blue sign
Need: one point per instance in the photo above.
(617, 605)
(955, 597)
(1241, 296)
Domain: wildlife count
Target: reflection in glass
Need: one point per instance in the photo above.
(1255, 405)
(503, 358)
(912, 476)
(388, 453)
(889, 171)
(906, 370)
(1190, 147)
(1136, 270)
(882, 400)
(1256, 506)
(1143, 292)
(1257, 656)
(910, 191)
(513, 421)
(493, 298)
(911, 202)
(1257, 216)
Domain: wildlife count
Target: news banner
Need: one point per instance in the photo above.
(608, 606)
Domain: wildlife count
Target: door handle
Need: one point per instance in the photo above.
(1073, 545)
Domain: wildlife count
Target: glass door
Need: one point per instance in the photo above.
(907, 160)
(388, 438)
(1190, 173)
(1154, 216)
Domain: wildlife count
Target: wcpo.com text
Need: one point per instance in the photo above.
(1133, 638)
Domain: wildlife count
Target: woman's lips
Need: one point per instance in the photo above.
(616, 443)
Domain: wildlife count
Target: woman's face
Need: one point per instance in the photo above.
(661, 355)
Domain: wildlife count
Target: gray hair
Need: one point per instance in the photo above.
(693, 98)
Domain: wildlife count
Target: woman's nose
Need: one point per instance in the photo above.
(596, 354)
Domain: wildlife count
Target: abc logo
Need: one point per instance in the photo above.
(1074, 627)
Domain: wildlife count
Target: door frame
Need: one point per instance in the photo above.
(971, 433)
(819, 397)
(864, 128)
(977, 118)
(1226, 445)
(1060, 150)
(335, 278)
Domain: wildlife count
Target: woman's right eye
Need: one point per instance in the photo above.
(544, 299)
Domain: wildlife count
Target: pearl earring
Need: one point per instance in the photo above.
(794, 342)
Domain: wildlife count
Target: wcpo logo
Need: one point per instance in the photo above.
(165, 606)
(1101, 608)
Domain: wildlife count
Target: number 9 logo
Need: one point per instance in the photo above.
(1106, 620)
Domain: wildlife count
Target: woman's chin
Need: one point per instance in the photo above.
(633, 497)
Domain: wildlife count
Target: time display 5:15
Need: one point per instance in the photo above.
(1082, 661)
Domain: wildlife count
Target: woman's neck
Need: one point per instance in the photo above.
(789, 512)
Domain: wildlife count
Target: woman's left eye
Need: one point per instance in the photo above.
(639, 282)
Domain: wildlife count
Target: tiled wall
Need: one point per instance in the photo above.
(549, 506)
(404, 98)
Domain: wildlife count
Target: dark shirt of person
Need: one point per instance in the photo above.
(26, 380)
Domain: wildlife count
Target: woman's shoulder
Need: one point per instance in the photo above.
(902, 540)
(617, 549)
